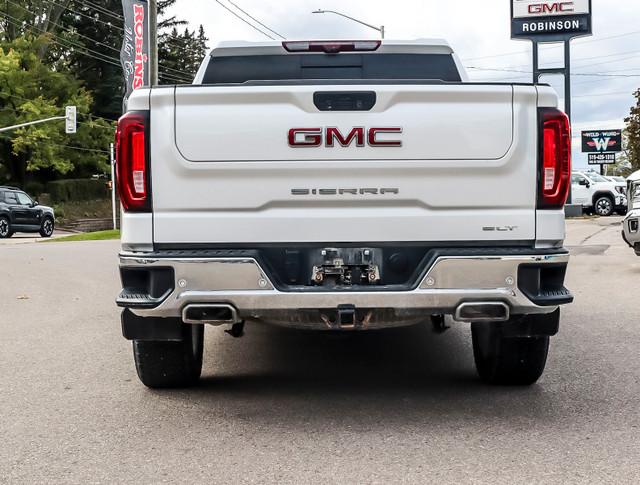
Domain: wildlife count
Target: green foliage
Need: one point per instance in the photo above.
(632, 131)
(622, 167)
(180, 55)
(30, 91)
(34, 188)
(77, 190)
(66, 52)
(58, 210)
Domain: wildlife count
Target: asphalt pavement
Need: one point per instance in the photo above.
(288, 406)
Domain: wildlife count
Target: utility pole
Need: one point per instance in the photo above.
(153, 41)
(112, 156)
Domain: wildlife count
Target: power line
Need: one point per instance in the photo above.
(178, 75)
(27, 99)
(103, 10)
(592, 57)
(109, 24)
(552, 47)
(64, 28)
(82, 49)
(256, 20)
(246, 22)
(573, 73)
(91, 125)
(61, 146)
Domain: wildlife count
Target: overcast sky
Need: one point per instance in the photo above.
(479, 31)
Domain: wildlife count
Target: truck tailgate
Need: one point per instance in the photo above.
(223, 164)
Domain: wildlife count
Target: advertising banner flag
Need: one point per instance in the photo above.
(134, 55)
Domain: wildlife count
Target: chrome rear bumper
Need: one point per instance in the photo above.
(457, 285)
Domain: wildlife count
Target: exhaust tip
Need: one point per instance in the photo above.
(482, 312)
(212, 314)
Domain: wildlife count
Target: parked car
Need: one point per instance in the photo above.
(20, 213)
(621, 187)
(630, 231)
(616, 178)
(597, 194)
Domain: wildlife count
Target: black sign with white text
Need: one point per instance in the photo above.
(602, 141)
(574, 24)
(602, 158)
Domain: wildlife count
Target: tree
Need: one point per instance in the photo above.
(31, 16)
(180, 55)
(95, 54)
(30, 91)
(622, 167)
(632, 131)
(67, 52)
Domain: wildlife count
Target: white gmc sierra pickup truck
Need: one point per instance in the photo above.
(631, 223)
(342, 185)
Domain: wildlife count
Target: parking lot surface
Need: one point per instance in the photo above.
(288, 406)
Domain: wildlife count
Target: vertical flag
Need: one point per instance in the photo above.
(134, 55)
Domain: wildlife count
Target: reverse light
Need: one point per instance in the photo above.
(554, 158)
(131, 161)
(331, 47)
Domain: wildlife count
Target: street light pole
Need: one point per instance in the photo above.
(379, 29)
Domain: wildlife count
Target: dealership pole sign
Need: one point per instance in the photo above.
(134, 55)
(602, 146)
(548, 21)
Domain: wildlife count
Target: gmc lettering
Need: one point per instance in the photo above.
(313, 137)
(537, 8)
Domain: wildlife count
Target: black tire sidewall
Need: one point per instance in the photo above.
(609, 201)
(508, 360)
(4, 220)
(170, 364)
(44, 233)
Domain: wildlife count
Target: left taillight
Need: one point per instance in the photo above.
(554, 158)
(132, 161)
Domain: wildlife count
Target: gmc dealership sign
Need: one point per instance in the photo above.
(550, 21)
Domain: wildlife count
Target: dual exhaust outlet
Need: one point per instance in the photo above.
(225, 313)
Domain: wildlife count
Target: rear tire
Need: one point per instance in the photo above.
(162, 364)
(502, 360)
(603, 206)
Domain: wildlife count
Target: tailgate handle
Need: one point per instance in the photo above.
(344, 100)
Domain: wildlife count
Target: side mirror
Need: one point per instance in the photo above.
(35, 203)
(584, 182)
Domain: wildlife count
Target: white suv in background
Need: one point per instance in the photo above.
(597, 194)
(631, 223)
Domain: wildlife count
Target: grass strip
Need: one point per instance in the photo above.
(89, 236)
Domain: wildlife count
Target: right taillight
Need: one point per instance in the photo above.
(554, 158)
(132, 167)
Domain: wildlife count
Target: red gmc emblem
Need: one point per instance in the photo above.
(313, 137)
(551, 7)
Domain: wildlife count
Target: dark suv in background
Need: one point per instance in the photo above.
(20, 213)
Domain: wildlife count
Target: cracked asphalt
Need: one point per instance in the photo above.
(288, 406)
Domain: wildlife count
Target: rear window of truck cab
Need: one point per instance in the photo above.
(348, 66)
